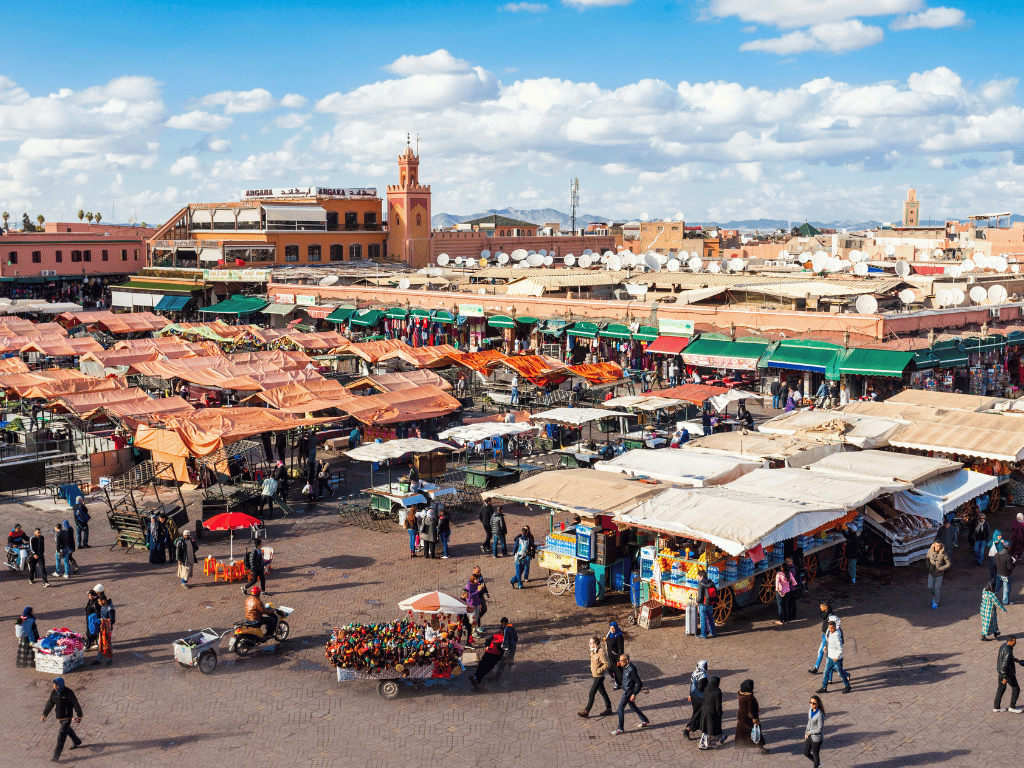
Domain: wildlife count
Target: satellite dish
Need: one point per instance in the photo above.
(519, 254)
(953, 270)
(569, 260)
(958, 297)
(860, 268)
(503, 258)
(1015, 268)
(937, 253)
(784, 254)
(543, 252)
(459, 260)
(694, 254)
(482, 261)
(535, 260)
(442, 259)
(714, 269)
(530, 252)
(470, 262)
(902, 268)
(587, 252)
(672, 265)
(978, 294)
(585, 260)
(819, 261)
(943, 297)
(997, 294)
(724, 265)
(907, 296)
(890, 250)
(329, 280)
(967, 266)
(614, 262)
(484, 254)
(926, 256)
(1000, 264)
(548, 260)
(737, 265)
(404, 283)
(695, 263)
(652, 261)
(867, 305)
(482, 291)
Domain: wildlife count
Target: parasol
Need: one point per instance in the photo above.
(433, 602)
(230, 521)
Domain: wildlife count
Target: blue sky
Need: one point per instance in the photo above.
(716, 109)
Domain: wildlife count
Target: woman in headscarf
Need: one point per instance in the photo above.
(994, 548)
(615, 641)
(157, 535)
(28, 635)
(1017, 537)
(790, 404)
(747, 717)
(698, 684)
(989, 602)
(711, 715)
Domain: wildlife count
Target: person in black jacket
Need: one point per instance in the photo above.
(499, 529)
(852, 551)
(979, 535)
(711, 715)
(63, 699)
(615, 641)
(776, 390)
(258, 569)
(631, 686)
(1004, 564)
(1007, 676)
(37, 557)
(486, 511)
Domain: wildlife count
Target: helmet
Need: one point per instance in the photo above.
(256, 590)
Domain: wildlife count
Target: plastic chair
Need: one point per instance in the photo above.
(238, 572)
(209, 565)
(268, 558)
(221, 569)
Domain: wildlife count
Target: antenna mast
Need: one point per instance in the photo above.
(574, 200)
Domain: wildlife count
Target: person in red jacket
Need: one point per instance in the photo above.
(490, 658)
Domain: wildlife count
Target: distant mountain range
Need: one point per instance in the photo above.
(536, 216)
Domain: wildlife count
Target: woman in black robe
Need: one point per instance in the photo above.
(711, 715)
(747, 717)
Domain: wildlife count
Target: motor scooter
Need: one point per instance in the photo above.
(248, 635)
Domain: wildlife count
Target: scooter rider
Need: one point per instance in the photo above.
(255, 610)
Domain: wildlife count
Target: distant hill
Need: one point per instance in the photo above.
(536, 216)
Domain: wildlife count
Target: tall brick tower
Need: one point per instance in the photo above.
(911, 210)
(409, 212)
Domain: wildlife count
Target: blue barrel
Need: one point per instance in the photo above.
(636, 590)
(586, 589)
(619, 574)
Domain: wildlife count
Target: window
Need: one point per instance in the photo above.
(105, 256)
(37, 257)
(76, 255)
(12, 257)
(136, 254)
(370, 220)
(291, 253)
(313, 252)
(337, 252)
(351, 220)
(86, 255)
(124, 254)
(355, 252)
(419, 219)
(332, 221)
(59, 257)
(373, 251)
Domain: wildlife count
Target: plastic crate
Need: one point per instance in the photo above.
(53, 664)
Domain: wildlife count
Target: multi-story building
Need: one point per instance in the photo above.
(409, 212)
(267, 227)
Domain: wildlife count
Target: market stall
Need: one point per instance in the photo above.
(857, 430)
(771, 450)
(680, 467)
(496, 437)
(390, 499)
(574, 417)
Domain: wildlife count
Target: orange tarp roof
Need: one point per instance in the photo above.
(371, 351)
(15, 343)
(13, 365)
(481, 362)
(128, 322)
(49, 389)
(21, 379)
(306, 397)
(132, 412)
(424, 357)
(694, 393)
(110, 358)
(323, 340)
(85, 404)
(598, 373)
(29, 330)
(407, 405)
(63, 347)
(537, 369)
(395, 382)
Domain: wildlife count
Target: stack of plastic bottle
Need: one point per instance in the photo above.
(732, 569)
(677, 572)
(746, 567)
(714, 574)
(560, 545)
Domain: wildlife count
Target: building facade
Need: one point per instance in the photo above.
(268, 227)
(409, 213)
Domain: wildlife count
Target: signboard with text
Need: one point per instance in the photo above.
(669, 327)
(301, 192)
(471, 310)
(305, 301)
(284, 298)
(249, 275)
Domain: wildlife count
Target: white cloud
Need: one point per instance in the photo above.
(189, 164)
(834, 37)
(256, 100)
(788, 14)
(930, 18)
(291, 121)
(197, 120)
(582, 4)
(440, 62)
(524, 7)
(218, 145)
(294, 101)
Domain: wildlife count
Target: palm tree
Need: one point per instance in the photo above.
(5, 216)
(89, 216)
(41, 220)
(99, 216)
(144, 224)
(81, 214)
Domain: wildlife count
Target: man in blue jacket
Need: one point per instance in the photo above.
(631, 686)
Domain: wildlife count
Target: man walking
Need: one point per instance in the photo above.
(514, 400)
(37, 557)
(185, 554)
(62, 540)
(631, 686)
(938, 563)
(1007, 677)
(81, 513)
(267, 492)
(256, 567)
(598, 667)
(486, 512)
(852, 550)
(508, 647)
(707, 597)
(498, 532)
(1004, 564)
(775, 389)
(63, 699)
(834, 642)
(489, 660)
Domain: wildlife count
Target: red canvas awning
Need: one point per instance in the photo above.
(668, 345)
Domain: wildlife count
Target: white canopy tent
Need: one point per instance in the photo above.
(816, 487)
(472, 433)
(585, 492)
(861, 431)
(935, 497)
(794, 451)
(395, 449)
(575, 416)
(643, 403)
(884, 464)
(731, 520)
(721, 402)
(681, 467)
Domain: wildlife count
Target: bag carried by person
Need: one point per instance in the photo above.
(307, 488)
(711, 595)
(19, 629)
(755, 734)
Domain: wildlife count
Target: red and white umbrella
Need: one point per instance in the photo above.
(230, 521)
(433, 602)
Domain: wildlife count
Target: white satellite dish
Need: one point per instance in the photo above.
(329, 280)
(404, 284)
(548, 260)
(907, 296)
(442, 259)
(1015, 268)
(784, 254)
(629, 260)
(485, 254)
(944, 297)
(819, 261)
(543, 252)
(662, 258)
(902, 268)
(459, 260)
(953, 270)
(587, 252)
(967, 266)
(651, 260)
(714, 269)
(937, 253)
(694, 254)
(978, 294)
(997, 294)
(519, 254)
(860, 268)
(926, 256)
(672, 265)
(470, 262)
(535, 260)
(867, 305)
(569, 260)
(609, 254)
(585, 260)
(614, 262)
(890, 250)
(503, 258)
(736, 265)
(1000, 264)
(695, 263)
(958, 297)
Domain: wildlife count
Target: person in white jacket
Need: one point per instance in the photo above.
(834, 643)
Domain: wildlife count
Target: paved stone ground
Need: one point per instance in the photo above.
(923, 681)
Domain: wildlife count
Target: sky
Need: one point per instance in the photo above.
(706, 110)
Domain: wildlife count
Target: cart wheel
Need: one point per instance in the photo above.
(557, 583)
(723, 609)
(394, 513)
(767, 592)
(244, 647)
(207, 662)
(995, 502)
(281, 633)
(811, 567)
(388, 689)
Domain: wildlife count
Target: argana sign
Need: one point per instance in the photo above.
(260, 194)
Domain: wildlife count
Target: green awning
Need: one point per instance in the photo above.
(1015, 339)
(237, 305)
(172, 303)
(397, 313)
(341, 314)
(417, 312)
(924, 359)
(527, 320)
(950, 357)
(616, 331)
(366, 318)
(724, 353)
(582, 329)
(874, 362)
(501, 321)
(806, 356)
(646, 333)
(277, 308)
(157, 287)
(553, 327)
(443, 316)
(994, 342)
